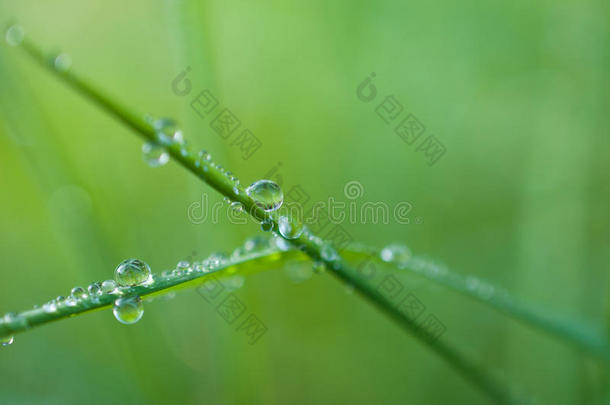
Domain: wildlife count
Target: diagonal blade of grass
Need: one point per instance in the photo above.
(307, 242)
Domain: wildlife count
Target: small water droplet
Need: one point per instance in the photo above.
(328, 252)
(132, 272)
(128, 310)
(237, 207)
(266, 225)
(94, 289)
(397, 254)
(282, 244)
(14, 35)
(226, 200)
(204, 156)
(78, 293)
(318, 267)
(108, 286)
(266, 194)
(6, 341)
(154, 155)
(50, 307)
(62, 62)
(168, 132)
(235, 191)
(289, 228)
(184, 267)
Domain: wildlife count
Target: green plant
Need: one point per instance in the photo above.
(308, 243)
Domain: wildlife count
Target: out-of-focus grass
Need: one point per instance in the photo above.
(517, 93)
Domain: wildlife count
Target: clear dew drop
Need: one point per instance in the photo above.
(78, 293)
(318, 267)
(50, 307)
(132, 272)
(94, 289)
(154, 155)
(108, 286)
(266, 194)
(289, 228)
(62, 62)
(236, 206)
(184, 267)
(128, 310)
(266, 225)
(397, 254)
(168, 132)
(204, 156)
(14, 35)
(6, 341)
(328, 253)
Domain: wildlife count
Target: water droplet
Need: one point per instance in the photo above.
(78, 293)
(289, 227)
(62, 62)
(204, 156)
(318, 267)
(128, 310)
(266, 225)
(235, 191)
(184, 267)
(50, 306)
(132, 272)
(328, 253)
(214, 261)
(237, 206)
(59, 299)
(94, 289)
(14, 35)
(154, 155)
(8, 340)
(266, 194)
(168, 132)
(108, 286)
(226, 200)
(397, 254)
(282, 244)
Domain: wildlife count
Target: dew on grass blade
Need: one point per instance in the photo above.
(6, 341)
(237, 207)
(108, 286)
(396, 253)
(167, 132)
(289, 228)
(128, 310)
(328, 252)
(154, 155)
(266, 194)
(78, 293)
(14, 35)
(94, 289)
(266, 225)
(62, 62)
(132, 272)
(184, 267)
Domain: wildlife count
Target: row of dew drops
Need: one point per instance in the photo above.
(266, 194)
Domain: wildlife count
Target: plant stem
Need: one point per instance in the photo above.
(307, 242)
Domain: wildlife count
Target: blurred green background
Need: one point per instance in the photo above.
(516, 92)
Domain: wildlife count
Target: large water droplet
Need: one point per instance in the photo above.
(396, 253)
(168, 132)
(132, 272)
(154, 155)
(128, 310)
(14, 35)
(289, 227)
(266, 194)
(8, 340)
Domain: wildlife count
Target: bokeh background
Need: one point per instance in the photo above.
(516, 92)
